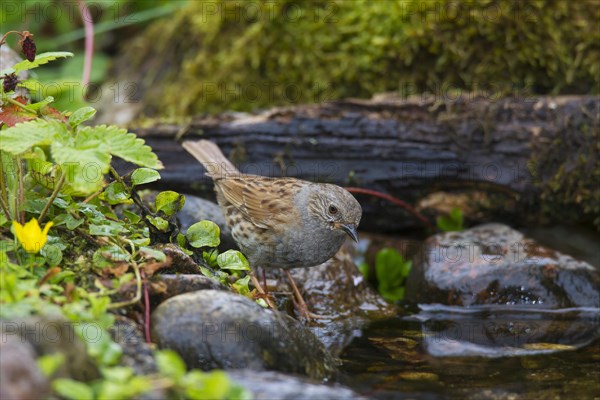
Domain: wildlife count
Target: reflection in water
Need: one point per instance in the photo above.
(441, 353)
(500, 333)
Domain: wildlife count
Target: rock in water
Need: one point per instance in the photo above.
(268, 385)
(217, 329)
(494, 264)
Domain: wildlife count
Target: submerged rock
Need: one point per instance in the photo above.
(217, 329)
(270, 385)
(494, 264)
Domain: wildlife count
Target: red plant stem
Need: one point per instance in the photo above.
(86, 17)
(391, 199)
(146, 308)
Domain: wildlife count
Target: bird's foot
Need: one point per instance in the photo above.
(261, 293)
(299, 303)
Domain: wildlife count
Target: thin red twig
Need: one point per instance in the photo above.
(391, 199)
(146, 308)
(86, 17)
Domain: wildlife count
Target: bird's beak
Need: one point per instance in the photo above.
(350, 229)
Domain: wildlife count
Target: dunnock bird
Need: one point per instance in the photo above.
(279, 222)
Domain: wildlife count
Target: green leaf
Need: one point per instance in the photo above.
(452, 222)
(159, 223)
(169, 202)
(116, 193)
(133, 217)
(181, 241)
(81, 115)
(210, 257)
(117, 374)
(25, 135)
(107, 228)
(52, 254)
(48, 363)
(391, 270)
(40, 104)
(363, 267)
(149, 252)
(204, 234)
(241, 286)
(71, 389)
(107, 255)
(233, 260)
(144, 175)
(119, 142)
(170, 364)
(206, 385)
(40, 59)
(84, 167)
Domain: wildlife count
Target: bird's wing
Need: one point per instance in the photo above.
(267, 202)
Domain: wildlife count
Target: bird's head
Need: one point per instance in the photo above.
(336, 209)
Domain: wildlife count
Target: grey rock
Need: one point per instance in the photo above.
(337, 291)
(49, 335)
(137, 354)
(217, 329)
(270, 385)
(180, 262)
(165, 286)
(495, 265)
(20, 376)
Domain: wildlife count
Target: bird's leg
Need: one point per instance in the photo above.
(299, 300)
(261, 291)
(264, 276)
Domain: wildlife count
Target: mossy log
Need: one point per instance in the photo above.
(509, 158)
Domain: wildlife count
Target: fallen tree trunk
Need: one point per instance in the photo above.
(513, 157)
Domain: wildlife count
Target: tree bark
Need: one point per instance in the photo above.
(510, 150)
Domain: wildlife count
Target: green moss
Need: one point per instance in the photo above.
(567, 171)
(215, 56)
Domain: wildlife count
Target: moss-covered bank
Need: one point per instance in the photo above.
(221, 55)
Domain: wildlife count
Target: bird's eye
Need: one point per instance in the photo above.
(333, 210)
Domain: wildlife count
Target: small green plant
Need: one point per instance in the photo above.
(82, 237)
(172, 377)
(451, 222)
(391, 270)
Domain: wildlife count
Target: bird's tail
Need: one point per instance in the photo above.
(208, 153)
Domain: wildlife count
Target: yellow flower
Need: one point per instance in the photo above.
(31, 236)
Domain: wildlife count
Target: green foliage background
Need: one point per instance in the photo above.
(213, 56)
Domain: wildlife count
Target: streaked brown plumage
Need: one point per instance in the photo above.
(279, 222)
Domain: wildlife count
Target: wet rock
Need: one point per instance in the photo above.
(49, 335)
(165, 286)
(270, 385)
(495, 265)
(217, 329)
(337, 291)
(19, 374)
(180, 263)
(137, 354)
